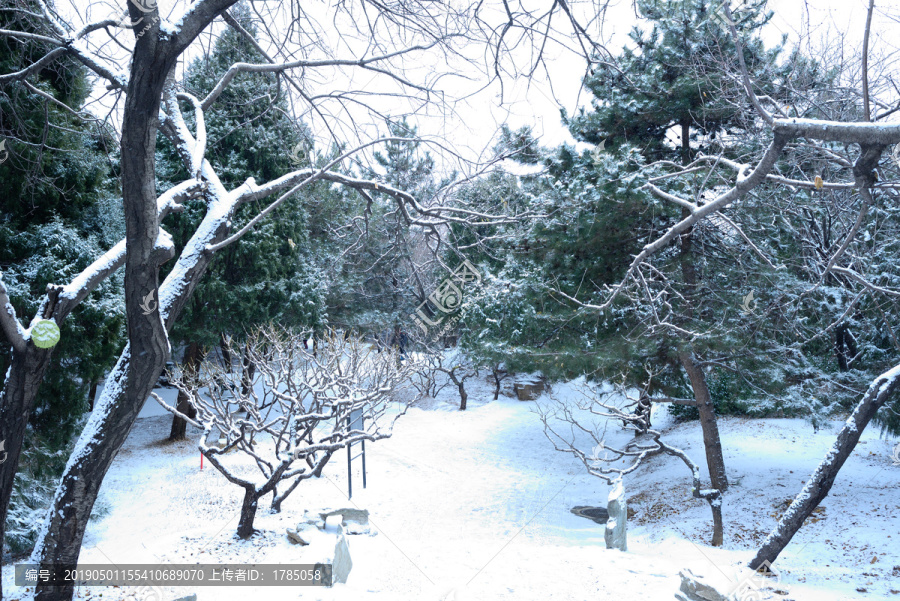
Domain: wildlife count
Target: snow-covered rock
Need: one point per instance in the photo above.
(325, 547)
(348, 514)
(529, 387)
(696, 588)
(353, 520)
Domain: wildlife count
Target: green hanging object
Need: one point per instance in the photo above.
(45, 333)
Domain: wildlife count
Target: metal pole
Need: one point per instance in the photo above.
(364, 462)
(349, 468)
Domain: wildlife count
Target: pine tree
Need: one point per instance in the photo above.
(59, 210)
(275, 273)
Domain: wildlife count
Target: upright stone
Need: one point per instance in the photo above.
(617, 524)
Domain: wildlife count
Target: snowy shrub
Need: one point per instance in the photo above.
(40, 467)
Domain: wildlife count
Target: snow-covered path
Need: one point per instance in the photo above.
(475, 505)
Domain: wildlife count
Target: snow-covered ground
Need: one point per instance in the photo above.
(475, 505)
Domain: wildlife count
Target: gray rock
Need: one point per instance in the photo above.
(617, 524)
(339, 558)
(697, 588)
(360, 516)
(529, 387)
(596, 514)
(295, 538)
(191, 597)
(326, 548)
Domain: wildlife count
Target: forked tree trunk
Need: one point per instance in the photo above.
(499, 376)
(142, 361)
(714, 457)
(461, 386)
(821, 481)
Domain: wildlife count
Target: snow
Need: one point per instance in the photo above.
(475, 505)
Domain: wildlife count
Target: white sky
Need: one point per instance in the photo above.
(537, 101)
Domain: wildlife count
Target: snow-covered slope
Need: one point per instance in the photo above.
(475, 505)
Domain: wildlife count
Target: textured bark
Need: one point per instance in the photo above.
(248, 370)
(819, 485)
(148, 346)
(145, 356)
(248, 513)
(23, 379)
(718, 531)
(714, 457)
(190, 364)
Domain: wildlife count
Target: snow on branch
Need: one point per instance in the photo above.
(611, 461)
(297, 409)
(864, 134)
(104, 266)
(10, 324)
(297, 180)
(199, 150)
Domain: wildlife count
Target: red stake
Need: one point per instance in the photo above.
(201, 460)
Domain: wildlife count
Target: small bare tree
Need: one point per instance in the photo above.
(617, 461)
(297, 411)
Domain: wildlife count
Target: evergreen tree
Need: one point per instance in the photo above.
(59, 210)
(678, 327)
(385, 275)
(276, 272)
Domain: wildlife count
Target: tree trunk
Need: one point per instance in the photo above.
(461, 386)
(130, 383)
(714, 457)
(190, 364)
(23, 378)
(92, 394)
(248, 371)
(225, 347)
(498, 379)
(643, 409)
(61, 536)
(248, 513)
(840, 347)
(718, 538)
(819, 484)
